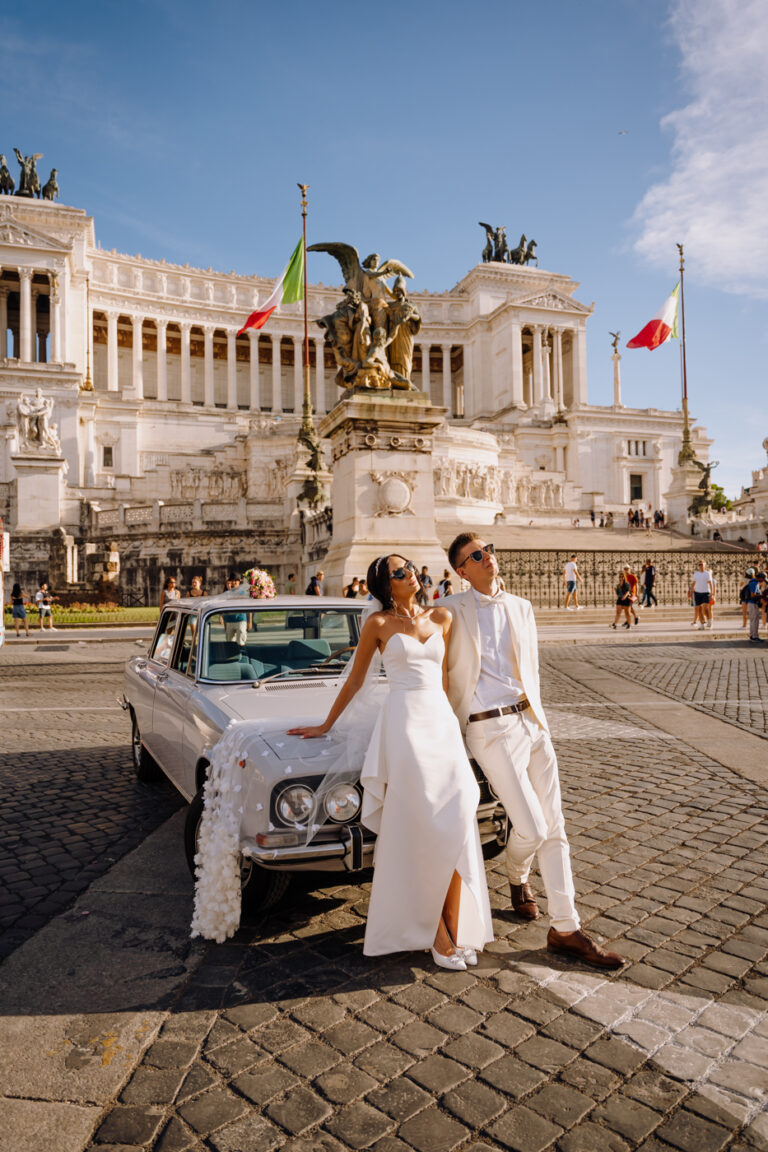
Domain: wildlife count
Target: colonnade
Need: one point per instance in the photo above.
(551, 379)
(37, 335)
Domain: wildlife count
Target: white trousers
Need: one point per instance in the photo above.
(519, 762)
(753, 615)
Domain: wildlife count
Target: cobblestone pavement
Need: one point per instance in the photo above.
(71, 804)
(726, 680)
(287, 1037)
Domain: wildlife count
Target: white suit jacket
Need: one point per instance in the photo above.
(464, 653)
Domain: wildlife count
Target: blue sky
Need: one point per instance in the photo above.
(183, 128)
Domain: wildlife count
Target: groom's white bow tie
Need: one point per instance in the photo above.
(483, 599)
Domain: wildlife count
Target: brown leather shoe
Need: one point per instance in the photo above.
(581, 947)
(524, 901)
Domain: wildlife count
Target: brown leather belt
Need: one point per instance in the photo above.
(506, 710)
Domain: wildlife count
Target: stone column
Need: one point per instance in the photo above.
(34, 335)
(426, 383)
(546, 377)
(25, 314)
(138, 357)
(255, 402)
(112, 368)
(232, 371)
(516, 364)
(559, 458)
(277, 383)
(162, 360)
(3, 323)
(579, 356)
(321, 400)
(298, 373)
(208, 398)
(467, 373)
(538, 394)
(616, 357)
(186, 367)
(447, 383)
(557, 366)
(54, 321)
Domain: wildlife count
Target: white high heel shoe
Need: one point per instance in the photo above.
(455, 962)
(468, 955)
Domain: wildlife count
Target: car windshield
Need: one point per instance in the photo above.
(254, 643)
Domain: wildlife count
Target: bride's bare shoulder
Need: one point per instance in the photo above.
(440, 615)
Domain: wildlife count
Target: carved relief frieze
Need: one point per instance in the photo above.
(394, 492)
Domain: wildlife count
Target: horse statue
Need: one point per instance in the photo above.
(516, 255)
(530, 254)
(51, 187)
(489, 242)
(501, 249)
(7, 182)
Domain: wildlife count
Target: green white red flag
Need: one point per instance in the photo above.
(288, 289)
(663, 327)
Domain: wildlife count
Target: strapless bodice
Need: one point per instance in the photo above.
(412, 664)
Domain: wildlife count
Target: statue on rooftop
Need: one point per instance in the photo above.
(29, 181)
(7, 183)
(51, 187)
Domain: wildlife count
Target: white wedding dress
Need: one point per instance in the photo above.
(420, 797)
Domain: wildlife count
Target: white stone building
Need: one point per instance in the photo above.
(174, 442)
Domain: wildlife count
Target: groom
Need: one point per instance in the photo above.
(493, 686)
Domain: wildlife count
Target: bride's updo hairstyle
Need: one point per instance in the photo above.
(379, 583)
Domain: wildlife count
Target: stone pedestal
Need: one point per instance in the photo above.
(382, 491)
(39, 485)
(680, 495)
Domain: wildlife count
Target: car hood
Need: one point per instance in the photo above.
(297, 701)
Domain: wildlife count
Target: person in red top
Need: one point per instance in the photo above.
(632, 581)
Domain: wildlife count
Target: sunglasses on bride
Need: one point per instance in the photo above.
(477, 555)
(402, 573)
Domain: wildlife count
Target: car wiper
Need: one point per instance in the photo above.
(315, 668)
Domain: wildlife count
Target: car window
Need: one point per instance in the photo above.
(185, 649)
(163, 645)
(250, 644)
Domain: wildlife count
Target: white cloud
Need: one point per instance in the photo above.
(715, 199)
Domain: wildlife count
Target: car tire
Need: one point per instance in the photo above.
(147, 770)
(261, 888)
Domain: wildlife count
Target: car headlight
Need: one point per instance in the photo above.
(295, 804)
(342, 803)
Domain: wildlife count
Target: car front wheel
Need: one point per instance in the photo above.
(260, 888)
(146, 769)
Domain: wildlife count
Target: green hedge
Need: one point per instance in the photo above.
(94, 615)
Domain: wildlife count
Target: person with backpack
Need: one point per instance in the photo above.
(649, 579)
(315, 586)
(18, 609)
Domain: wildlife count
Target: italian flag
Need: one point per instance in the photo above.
(288, 289)
(663, 326)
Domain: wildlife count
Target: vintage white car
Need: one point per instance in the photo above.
(276, 664)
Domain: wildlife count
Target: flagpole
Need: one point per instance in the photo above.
(306, 410)
(686, 453)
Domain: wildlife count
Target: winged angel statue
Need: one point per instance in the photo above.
(373, 328)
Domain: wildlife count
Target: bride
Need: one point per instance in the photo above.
(420, 795)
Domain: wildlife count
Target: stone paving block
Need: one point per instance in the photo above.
(727, 963)
(310, 1059)
(261, 1087)
(561, 1104)
(739, 1076)
(175, 1137)
(485, 999)
(383, 1060)
(653, 1089)
(691, 1133)
(400, 1099)
(279, 1034)
(350, 1036)
(170, 1054)
(229, 1059)
(647, 1036)
(473, 1050)
(344, 1083)
(756, 1132)
(129, 1125)
(539, 1009)
(298, 1110)
(431, 1131)
(474, 1104)
(437, 1073)
(251, 1134)
(419, 1038)
(524, 1130)
(385, 1016)
(454, 1018)
(359, 1125)
(627, 1116)
(753, 1049)
(682, 1063)
(719, 1105)
(152, 1086)
(250, 1016)
(508, 1029)
(592, 1079)
(212, 1110)
(197, 1079)
(513, 1077)
(613, 1053)
(419, 998)
(315, 1142)
(589, 1137)
(545, 1054)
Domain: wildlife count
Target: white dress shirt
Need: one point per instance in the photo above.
(499, 680)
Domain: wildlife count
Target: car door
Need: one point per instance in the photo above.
(172, 698)
(152, 674)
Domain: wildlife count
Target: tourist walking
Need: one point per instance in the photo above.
(632, 581)
(493, 685)
(44, 602)
(196, 588)
(744, 596)
(623, 600)
(352, 590)
(420, 794)
(315, 586)
(571, 580)
(699, 594)
(290, 584)
(756, 591)
(649, 579)
(19, 610)
(170, 592)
